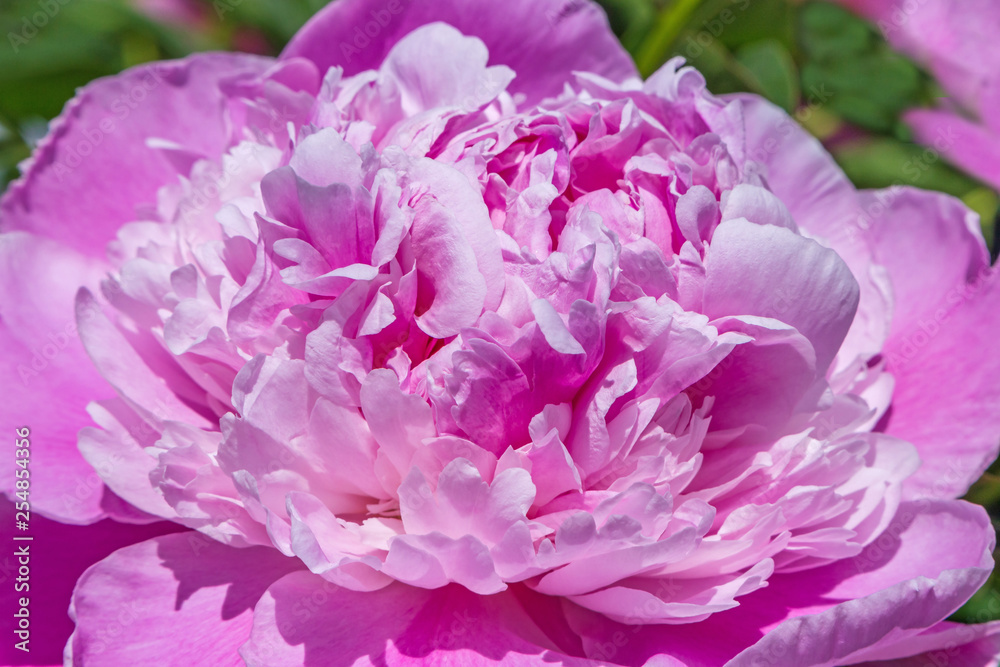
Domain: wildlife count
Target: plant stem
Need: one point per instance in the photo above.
(668, 27)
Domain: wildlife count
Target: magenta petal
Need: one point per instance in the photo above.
(933, 556)
(932, 247)
(58, 556)
(799, 170)
(824, 203)
(945, 403)
(974, 148)
(401, 625)
(525, 360)
(183, 585)
(944, 644)
(761, 382)
(95, 168)
(543, 42)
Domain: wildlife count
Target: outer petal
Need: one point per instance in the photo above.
(954, 540)
(798, 169)
(846, 612)
(58, 556)
(543, 42)
(974, 148)
(93, 170)
(947, 644)
(177, 586)
(824, 203)
(931, 245)
(303, 620)
(947, 299)
(47, 376)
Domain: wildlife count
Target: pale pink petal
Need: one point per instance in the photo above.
(771, 272)
(946, 296)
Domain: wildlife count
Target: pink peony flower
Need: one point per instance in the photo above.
(448, 339)
(955, 40)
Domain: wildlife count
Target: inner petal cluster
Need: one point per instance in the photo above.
(412, 329)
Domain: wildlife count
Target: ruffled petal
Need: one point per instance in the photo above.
(835, 615)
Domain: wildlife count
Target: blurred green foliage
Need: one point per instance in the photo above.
(810, 54)
(49, 49)
(796, 54)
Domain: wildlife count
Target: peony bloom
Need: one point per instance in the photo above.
(448, 339)
(955, 40)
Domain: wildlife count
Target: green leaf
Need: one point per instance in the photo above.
(631, 20)
(664, 33)
(870, 84)
(744, 22)
(829, 32)
(880, 162)
(986, 203)
(772, 67)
